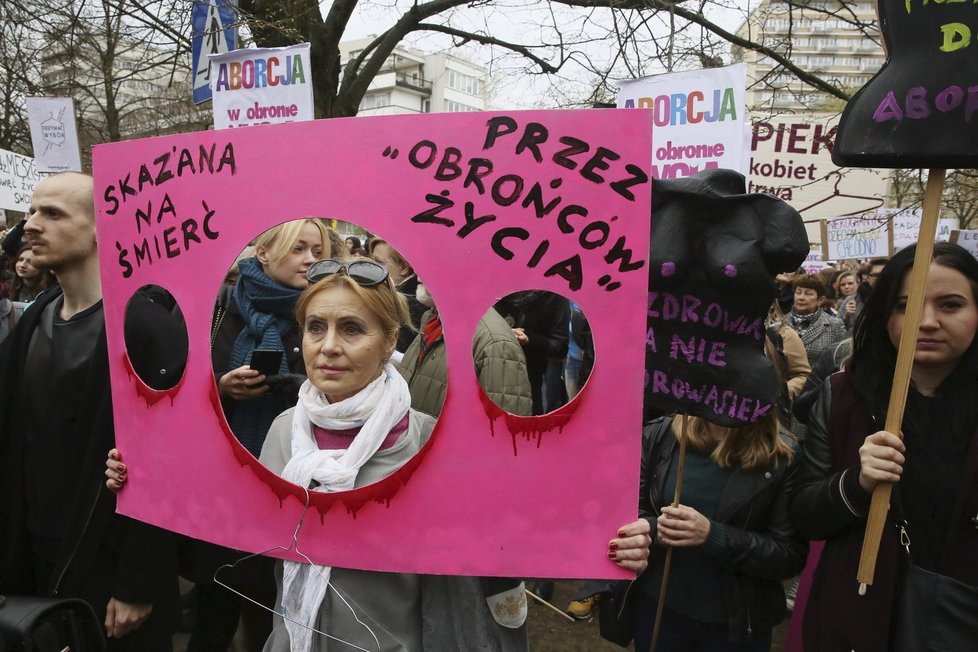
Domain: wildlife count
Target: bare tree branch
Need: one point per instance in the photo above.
(700, 19)
(523, 50)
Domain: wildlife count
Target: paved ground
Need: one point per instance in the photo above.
(549, 631)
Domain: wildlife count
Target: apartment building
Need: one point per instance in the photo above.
(412, 81)
(819, 36)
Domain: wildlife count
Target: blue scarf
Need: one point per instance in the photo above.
(268, 310)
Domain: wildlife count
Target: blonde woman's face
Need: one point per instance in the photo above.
(290, 270)
(343, 343)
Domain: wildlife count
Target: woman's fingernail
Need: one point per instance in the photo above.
(612, 546)
(621, 534)
(612, 554)
(122, 468)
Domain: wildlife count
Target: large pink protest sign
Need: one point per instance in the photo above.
(483, 205)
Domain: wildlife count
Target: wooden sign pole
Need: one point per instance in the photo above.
(901, 374)
(668, 562)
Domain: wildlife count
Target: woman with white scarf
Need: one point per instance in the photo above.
(351, 427)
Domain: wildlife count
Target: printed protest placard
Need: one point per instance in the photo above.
(54, 134)
(483, 205)
(792, 160)
(849, 238)
(698, 119)
(919, 110)
(814, 263)
(966, 239)
(18, 176)
(262, 86)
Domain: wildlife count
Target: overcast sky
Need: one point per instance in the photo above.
(516, 21)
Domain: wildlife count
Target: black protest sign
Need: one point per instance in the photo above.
(714, 254)
(921, 109)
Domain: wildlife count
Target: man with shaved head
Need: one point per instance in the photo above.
(60, 535)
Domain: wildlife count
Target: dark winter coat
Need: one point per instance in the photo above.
(762, 548)
(830, 504)
(103, 554)
(228, 323)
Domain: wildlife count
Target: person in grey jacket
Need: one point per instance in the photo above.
(500, 364)
(818, 330)
(353, 426)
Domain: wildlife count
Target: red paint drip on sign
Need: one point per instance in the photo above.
(529, 428)
(381, 491)
(148, 394)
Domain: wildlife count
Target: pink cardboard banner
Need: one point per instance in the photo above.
(483, 205)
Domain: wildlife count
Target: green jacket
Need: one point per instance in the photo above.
(499, 364)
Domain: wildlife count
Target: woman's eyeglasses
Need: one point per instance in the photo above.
(366, 273)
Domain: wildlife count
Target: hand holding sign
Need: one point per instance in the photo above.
(917, 111)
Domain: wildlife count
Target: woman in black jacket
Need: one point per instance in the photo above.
(732, 538)
(934, 466)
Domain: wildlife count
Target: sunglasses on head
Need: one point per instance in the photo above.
(365, 273)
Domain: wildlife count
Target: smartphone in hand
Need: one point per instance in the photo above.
(266, 361)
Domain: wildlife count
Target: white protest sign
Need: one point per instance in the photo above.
(18, 176)
(814, 263)
(848, 238)
(966, 239)
(906, 226)
(54, 134)
(262, 86)
(698, 119)
(792, 160)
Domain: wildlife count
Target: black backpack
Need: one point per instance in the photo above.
(29, 624)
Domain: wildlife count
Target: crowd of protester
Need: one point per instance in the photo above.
(353, 392)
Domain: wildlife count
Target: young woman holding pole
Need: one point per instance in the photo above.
(730, 538)
(934, 503)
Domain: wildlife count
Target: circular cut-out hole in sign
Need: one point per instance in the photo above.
(156, 341)
(273, 331)
(549, 356)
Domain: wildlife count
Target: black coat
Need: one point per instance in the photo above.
(545, 318)
(762, 548)
(416, 309)
(830, 504)
(103, 554)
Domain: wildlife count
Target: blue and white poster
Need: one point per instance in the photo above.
(213, 32)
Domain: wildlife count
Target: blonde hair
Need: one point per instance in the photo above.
(279, 240)
(755, 446)
(838, 281)
(382, 299)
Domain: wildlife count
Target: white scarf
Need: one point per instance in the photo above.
(376, 409)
